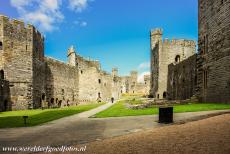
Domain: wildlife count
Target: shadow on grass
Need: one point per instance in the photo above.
(16, 120)
(33, 120)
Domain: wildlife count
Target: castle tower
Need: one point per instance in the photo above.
(22, 60)
(155, 48)
(155, 37)
(114, 72)
(134, 75)
(71, 56)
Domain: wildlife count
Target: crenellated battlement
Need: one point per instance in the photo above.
(157, 31)
(89, 62)
(53, 60)
(18, 25)
(179, 42)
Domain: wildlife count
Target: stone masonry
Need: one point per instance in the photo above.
(182, 79)
(213, 61)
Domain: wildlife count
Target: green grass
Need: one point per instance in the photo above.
(37, 117)
(119, 109)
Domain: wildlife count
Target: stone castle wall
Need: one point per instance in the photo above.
(214, 51)
(61, 83)
(181, 83)
(163, 53)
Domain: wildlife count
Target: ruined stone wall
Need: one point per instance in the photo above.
(61, 83)
(16, 60)
(214, 51)
(89, 86)
(181, 83)
(164, 53)
(106, 85)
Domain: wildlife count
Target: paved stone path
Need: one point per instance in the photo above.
(78, 129)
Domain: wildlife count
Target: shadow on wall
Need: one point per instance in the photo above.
(50, 88)
(5, 102)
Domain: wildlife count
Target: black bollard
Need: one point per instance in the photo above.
(25, 118)
(165, 114)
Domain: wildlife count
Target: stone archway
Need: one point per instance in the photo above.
(164, 94)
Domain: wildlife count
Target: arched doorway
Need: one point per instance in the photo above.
(177, 58)
(164, 94)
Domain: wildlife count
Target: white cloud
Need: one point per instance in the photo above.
(78, 5)
(83, 24)
(144, 65)
(141, 76)
(80, 23)
(44, 14)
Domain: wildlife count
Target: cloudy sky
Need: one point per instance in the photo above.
(116, 32)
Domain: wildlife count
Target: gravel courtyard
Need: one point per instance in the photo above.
(210, 135)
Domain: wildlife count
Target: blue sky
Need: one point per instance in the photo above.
(116, 32)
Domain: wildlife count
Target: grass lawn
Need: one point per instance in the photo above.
(36, 117)
(119, 109)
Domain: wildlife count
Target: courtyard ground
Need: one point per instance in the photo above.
(79, 129)
(207, 136)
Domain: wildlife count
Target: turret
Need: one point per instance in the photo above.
(114, 72)
(134, 76)
(71, 56)
(155, 36)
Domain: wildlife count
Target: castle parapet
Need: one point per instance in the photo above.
(157, 31)
(19, 25)
(179, 42)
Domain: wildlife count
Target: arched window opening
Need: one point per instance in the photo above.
(164, 94)
(43, 97)
(177, 59)
(2, 74)
(52, 101)
(1, 47)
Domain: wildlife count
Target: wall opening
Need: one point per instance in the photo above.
(5, 105)
(2, 74)
(1, 46)
(177, 58)
(99, 81)
(81, 72)
(52, 101)
(43, 96)
(99, 95)
(158, 95)
(164, 94)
